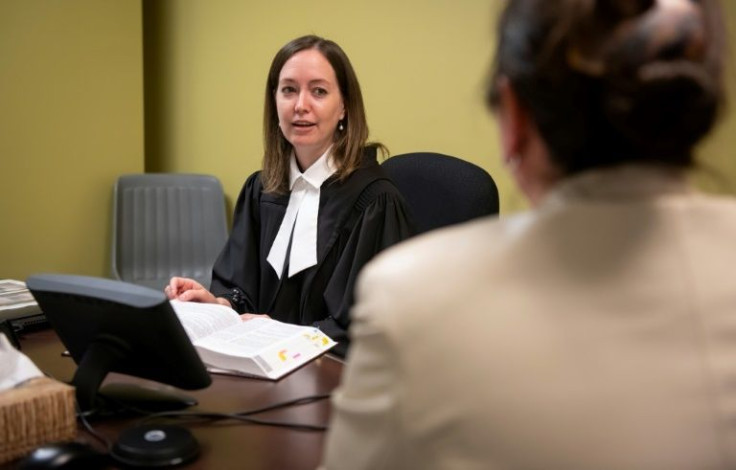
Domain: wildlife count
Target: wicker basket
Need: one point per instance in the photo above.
(34, 414)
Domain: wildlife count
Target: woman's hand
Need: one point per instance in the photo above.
(189, 290)
(251, 316)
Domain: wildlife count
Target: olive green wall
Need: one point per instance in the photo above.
(718, 153)
(71, 101)
(421, 64)
(71, 120)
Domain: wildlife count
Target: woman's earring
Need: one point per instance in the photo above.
(339, 126)
(513, 161)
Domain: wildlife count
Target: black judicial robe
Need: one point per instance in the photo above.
(358, 217)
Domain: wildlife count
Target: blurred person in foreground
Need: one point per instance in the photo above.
(597, 330)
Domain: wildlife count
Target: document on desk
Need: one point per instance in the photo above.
(16, 300)
(260, 347)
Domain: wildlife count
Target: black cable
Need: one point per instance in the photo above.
(243, 416)
(246, 416)
(82, 417)
(211, 416)
(105, 441)
(194, 416)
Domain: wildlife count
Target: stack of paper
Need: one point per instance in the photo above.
(16, 300)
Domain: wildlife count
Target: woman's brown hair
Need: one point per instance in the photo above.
(613, 81)
(347, 150)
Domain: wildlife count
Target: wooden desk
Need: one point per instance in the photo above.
(228, 444)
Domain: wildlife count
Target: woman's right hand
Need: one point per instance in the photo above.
(189, 290)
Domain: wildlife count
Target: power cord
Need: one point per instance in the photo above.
(82, 416)
(242, 416)
(204, 416)
(246, 416)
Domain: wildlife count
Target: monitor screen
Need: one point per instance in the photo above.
(114, 326)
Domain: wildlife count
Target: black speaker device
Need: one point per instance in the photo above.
(155, 446)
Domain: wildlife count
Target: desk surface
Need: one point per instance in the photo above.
(228, 444)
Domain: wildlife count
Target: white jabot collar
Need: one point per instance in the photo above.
(301, 217)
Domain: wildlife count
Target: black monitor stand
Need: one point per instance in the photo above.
(116, 397)
(113, 326)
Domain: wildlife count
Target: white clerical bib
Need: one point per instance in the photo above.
(301, 217)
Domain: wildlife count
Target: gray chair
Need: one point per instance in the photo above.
(441, 190)
(167, 224)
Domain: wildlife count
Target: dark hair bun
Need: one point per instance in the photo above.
(657, 89)
(614, 81)
(665, 110)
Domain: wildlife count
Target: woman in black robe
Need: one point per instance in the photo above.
(319, 210)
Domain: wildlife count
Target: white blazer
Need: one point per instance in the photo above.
(597, 332)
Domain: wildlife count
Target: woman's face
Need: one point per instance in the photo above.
(309, 104)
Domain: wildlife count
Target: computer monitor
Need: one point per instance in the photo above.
(113, 326)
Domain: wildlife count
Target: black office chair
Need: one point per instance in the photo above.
(167, 224)
(442, 190)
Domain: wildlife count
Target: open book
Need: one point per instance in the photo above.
(260, 347)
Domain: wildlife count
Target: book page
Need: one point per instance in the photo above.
(201, 319)
(249, 337)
